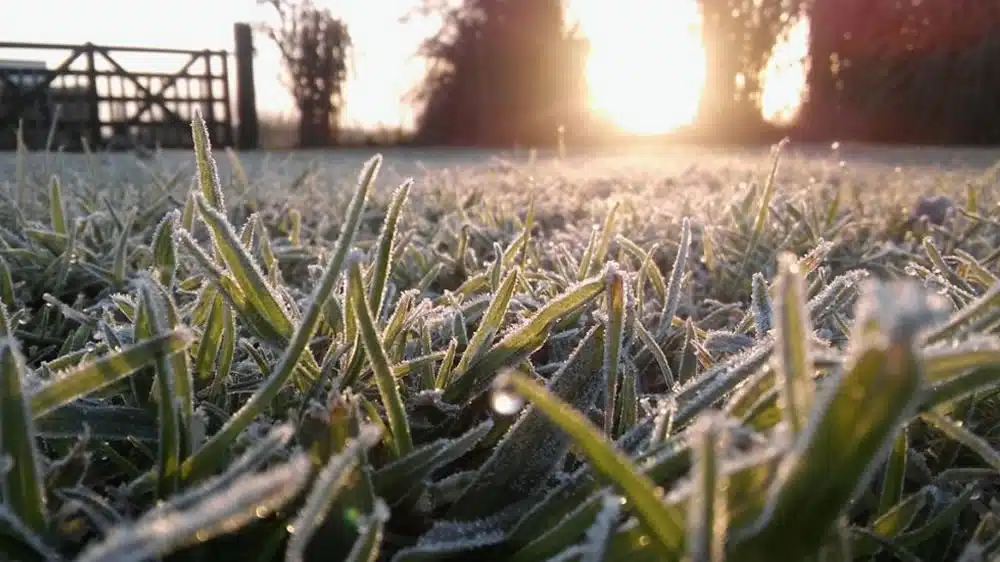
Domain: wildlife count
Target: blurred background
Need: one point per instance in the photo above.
(527, 73)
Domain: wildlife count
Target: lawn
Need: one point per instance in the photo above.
(686, 354)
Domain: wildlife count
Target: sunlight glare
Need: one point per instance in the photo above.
(646, 68)
(784, 78)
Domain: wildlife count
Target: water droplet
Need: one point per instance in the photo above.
(261, 512)
(644, 540)
(290, 528)
(505, 402)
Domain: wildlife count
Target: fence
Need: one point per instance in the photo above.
(91, 97)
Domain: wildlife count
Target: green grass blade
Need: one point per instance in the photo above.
(588, 255)
(971, 441)
(581, 520)
(170, 418)
(894, 476)
(604, 241)
(386, 382)
(765, 206)
(57, 208)
(383, 263)
(521, 342)
(663, 523)
(211, 339)
(120, 260)
(327, 485)
(90, 377)
(533, 447)
(7, 297)
(22, 486)
(982, 305)
(213, 452)
(228, 508)
(244, 269)
(615, 298)
(793, 336)
(707, 516)
(165, 249)
(367, 545)
(760, 304)
(491, 322)
(673, 295)
(649, 341)
(851, 429)
(398, 478)
(208, 171)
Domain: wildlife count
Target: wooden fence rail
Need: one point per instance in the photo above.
(91, 97)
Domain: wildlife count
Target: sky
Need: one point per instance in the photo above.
(384, 65)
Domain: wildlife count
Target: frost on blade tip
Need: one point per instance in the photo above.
(355, 255)
(208, 170)
(827, 300)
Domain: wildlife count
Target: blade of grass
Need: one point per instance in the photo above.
(793, 361)
(383, 264)
(389, 392)
(491, 321)
(521, 342)
(671, 301)
(93, 376)
(170, 418)
(21, 487)
(328, 484)
(213, 452)
(168, 528)
(662, 522)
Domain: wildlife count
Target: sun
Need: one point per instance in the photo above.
(646, 68)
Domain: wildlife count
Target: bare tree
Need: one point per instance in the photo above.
(314, 47)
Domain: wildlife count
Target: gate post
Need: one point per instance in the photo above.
(246, 98)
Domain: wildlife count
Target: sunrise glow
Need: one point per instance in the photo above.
(786, 74)
(646, 70)
(646, 67)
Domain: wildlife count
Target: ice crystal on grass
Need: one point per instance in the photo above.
(300, 309)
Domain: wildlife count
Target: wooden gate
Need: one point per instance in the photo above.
(91, 97)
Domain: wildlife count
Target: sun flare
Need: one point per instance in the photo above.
(646, 69)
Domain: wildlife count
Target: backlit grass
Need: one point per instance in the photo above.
(522, 362)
